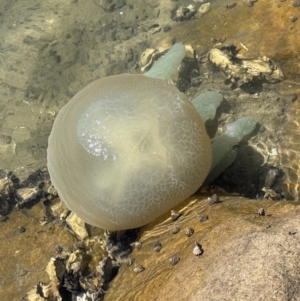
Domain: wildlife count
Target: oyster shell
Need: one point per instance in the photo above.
(241, 70)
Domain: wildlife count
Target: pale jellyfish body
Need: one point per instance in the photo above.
(126, 149)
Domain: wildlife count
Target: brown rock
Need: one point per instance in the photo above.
(253, 257)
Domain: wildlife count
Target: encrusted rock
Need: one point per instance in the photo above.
(27, 194)
(59, 209)
(55, 271)
(271, 194)
(6, 192)
(5, 183)
(242, 70)
(203, 9)
(105, 268)
(149, 56)
(77, 225)
(184, 13)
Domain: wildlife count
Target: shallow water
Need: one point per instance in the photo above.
(49, 50)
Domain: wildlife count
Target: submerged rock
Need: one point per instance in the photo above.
(235, 244)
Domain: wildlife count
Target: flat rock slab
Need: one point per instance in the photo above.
(245, 256)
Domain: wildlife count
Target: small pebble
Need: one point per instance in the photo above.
(261, 211)
(174, 260)
(189, 232)
(136, 245)
(129, 261)
(293, 18)
(196, 79)
(21, 229)
(175, 230)
(230, 4)
(167, 28)
(214, 199)
(157, 246)
(58, 249)
(197, 249)
(175, 215)
(23, 272)
(138, 268)
(202, 217)
(262, 128)
(296, 3)
(293, 97)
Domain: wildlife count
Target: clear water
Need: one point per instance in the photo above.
(51, 49)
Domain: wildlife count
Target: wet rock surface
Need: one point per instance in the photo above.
(254, 257)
